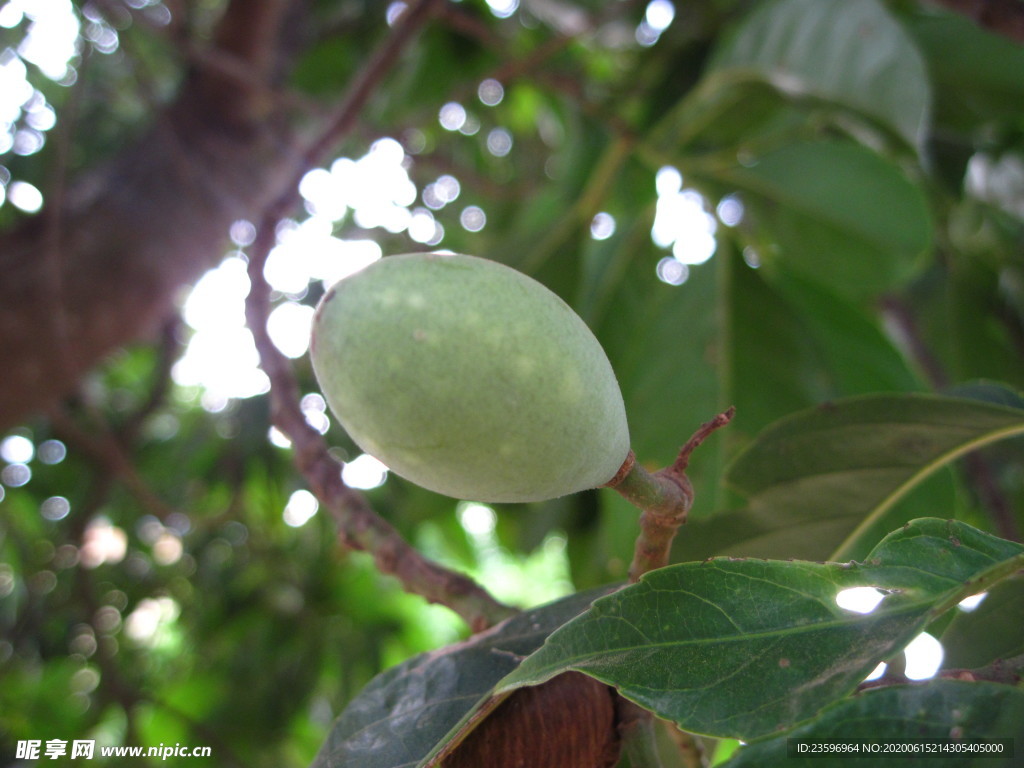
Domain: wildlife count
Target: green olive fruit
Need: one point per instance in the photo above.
(469, 378)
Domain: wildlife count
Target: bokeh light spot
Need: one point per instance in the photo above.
(473, 218)
(17, 448)
(499, 142)
(490, 92)
(452, 116)
(602, 226)
(859, 599)
(671, 271)
(301, 507)
(364, 472)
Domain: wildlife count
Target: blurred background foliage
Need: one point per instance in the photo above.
(770, 205)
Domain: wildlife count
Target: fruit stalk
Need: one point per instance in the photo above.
(664, 498)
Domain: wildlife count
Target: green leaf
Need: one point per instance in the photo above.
(834, 212)
(851, 461)
(857, 355)
(976, 72)
(991, 631)
(741, 648)
(938, 709)
(929, 556)
(732, 107)
(660, 340)
(794, 343)
(849, 52)
(777, 532)
(776, 368)
(405, 712)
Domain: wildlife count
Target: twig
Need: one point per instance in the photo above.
(992, 497)
(903, 325)
(167, 353)
(537, 64)
(1009, 671)
(665, 498)
(977, 468)
(359, 527)
(359, 92)
(703, 433)
(53, 217)
(103, 448)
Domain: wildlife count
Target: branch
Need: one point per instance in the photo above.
(365, 83)
(665, 498)
(352, 104)
(240, 70)
(537, 65)
(903, 325)
(111, 457)
(1009, 671)
(359, 527)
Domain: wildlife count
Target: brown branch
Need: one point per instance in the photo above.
(359, 527)
(247, 39)
(903, 325)
(703, 432)
(537, 64)
(382, 60)
(992, 497)
(983, 481)
(167, 353)
(1009, 671)
(105, 451)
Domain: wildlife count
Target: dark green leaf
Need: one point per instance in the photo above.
(777, 532)
(741, 648)
(976, 72)
(857, 356)
(850, 52)
(853, 460)
(405, 712)
(938, 709)
(661, 340)
(991, 631)
(834, 212)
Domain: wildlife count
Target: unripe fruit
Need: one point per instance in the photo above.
(469, 379)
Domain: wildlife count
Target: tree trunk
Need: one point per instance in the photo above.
(106, 261)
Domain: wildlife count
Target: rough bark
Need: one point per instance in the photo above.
(105, 265)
